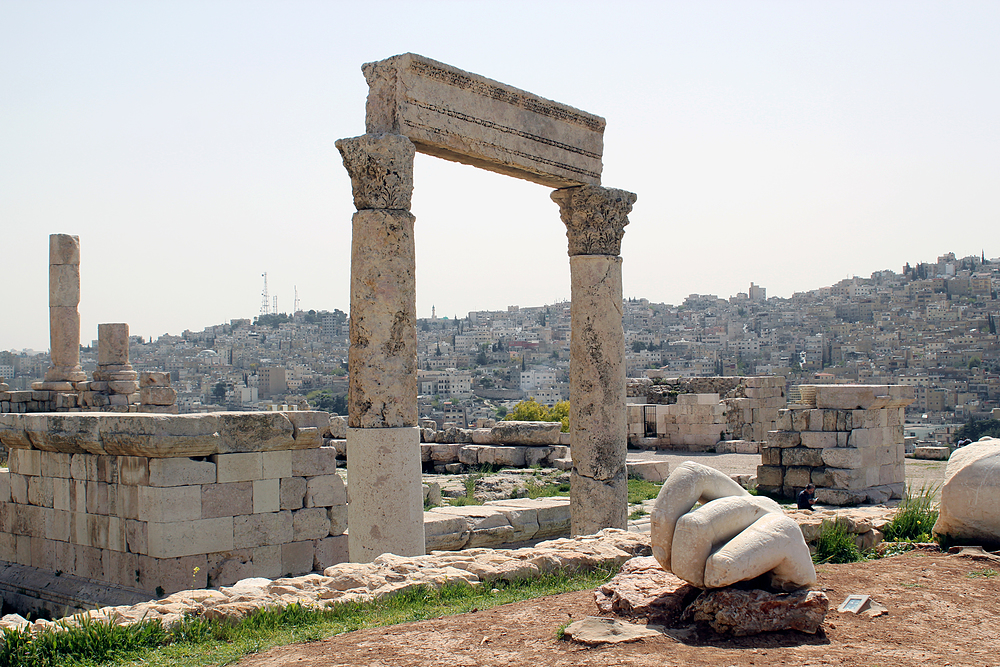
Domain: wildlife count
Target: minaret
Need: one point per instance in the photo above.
(433, 313)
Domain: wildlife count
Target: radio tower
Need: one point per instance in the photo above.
(295, 309)
(265, 302)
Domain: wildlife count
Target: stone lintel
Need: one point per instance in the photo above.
(468, 118)
(595, 218)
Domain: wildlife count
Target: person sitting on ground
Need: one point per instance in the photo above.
(807, 497)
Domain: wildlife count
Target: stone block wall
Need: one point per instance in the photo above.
(846, 439)
(152, 393)
(161, 524)
(696, 413)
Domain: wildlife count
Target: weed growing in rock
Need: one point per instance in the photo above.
(915, 518)
(836, 545)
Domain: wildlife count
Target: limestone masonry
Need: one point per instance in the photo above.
(161, 503)
(468, 118)
(845, 439)
(702, 414)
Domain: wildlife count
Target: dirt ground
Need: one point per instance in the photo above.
(942, 610)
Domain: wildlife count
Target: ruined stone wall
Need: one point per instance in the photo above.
(152, 393)
(845, 439)
(166, 503)
(697, 413)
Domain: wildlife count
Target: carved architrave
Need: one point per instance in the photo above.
(381, 169)
(595, 218)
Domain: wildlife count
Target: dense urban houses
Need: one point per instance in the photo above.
(930, 325)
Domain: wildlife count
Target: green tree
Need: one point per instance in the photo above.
(974, 429)
(638, 346)
(560, 412)
(325, 400)
(219, 390)
(533, 411)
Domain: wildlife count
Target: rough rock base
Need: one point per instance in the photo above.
(644, 590)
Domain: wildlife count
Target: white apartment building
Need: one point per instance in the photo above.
(547, 396)
(445, 382)
(6, 372)
(537, 377)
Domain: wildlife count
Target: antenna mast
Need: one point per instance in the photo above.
(296, 308)
(265, 303)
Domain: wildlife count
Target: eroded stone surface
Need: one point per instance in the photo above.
(385, 512)
(740, 613)
(595, 630)
(64, 316)
(595, 218)
(468, 118)
(383, 349)
(381, 170)
(155, 436)
(597, 391)
(522, 433)
(643, 589)
(970, 495)
(112, 344)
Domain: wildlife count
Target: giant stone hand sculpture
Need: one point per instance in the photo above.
(732, 537)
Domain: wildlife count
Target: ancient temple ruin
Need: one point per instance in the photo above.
(418, 104)
(116, 386)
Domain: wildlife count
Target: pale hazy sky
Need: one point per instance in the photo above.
(190, 145)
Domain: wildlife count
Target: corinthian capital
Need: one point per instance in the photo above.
(595, 218)
(381, 169)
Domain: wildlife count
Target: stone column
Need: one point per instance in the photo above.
(64, 314)
(385, 513)
(595, 218)
(114, 374)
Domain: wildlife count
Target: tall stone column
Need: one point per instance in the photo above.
(385, 512)
(595, 219)
(64, 314)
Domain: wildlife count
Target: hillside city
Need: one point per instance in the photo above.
(931, 325)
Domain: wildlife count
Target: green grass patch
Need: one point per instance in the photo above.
(197, 642)
(637, 513)
(836, 545)
(535, 490)
(988, 573)
(640, 490)
(462, 501)
(470, 492)
(915, 517)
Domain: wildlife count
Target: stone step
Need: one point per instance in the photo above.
(496, 523)
(932, 453)
(562, 464)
